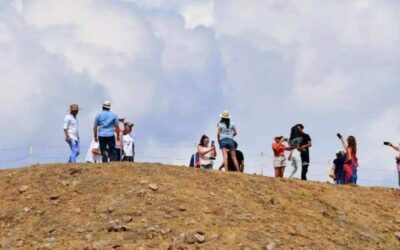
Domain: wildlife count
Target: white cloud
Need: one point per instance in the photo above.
(198, 13)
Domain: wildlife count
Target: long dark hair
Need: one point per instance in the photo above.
(352, 143)
(203, 138)
(226, 121)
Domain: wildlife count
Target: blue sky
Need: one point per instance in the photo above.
(172, 66)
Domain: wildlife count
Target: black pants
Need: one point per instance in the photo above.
(128, 158)
(304, 169)
(107, 148)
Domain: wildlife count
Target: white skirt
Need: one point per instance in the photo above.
(279, 161)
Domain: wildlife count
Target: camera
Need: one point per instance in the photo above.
(339, 135)
(387, 143)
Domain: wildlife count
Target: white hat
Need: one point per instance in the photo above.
(225, 114)
(278, 136)
(107, 104)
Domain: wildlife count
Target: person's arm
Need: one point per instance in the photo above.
(234, 131)
(307, 145)
(96, 138)
(397, 148)
(117, 130)
(204, 150)
(66, 126)
(218, 134)
(344, 144)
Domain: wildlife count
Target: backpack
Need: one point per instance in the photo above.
(195, 161)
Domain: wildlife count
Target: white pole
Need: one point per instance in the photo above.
(31, 155)
(262, 163)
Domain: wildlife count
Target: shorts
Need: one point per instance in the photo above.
(227, 143)
(279, 161)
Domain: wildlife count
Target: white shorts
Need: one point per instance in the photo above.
(279, 161)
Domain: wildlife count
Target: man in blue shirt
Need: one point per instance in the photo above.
(105, 128)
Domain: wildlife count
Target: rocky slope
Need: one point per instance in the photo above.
(147, 206)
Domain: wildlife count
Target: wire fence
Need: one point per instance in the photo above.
(260, 164)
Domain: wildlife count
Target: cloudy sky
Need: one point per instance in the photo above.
(171, 66)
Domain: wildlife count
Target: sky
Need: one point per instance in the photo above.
(171, 66)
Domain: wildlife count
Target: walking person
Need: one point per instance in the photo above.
(206, 153)
(71, 132)
(279, 147)
(304, 147)
(128, 145)
(225, 134)
(351, 163)
(105, 128)
(295, 140)
(397, 148)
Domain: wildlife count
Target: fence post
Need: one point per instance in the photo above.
(31, 155)
(262, 163)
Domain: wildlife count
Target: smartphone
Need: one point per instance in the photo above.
(339, 136)
(213, 144)
(386, 143)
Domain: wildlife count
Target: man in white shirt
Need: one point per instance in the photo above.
(71, 132)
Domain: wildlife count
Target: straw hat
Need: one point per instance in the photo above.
(107, 104)
(225, 115)
(74, 107)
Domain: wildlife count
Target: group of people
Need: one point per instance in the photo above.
(112, 136)
(233, 159)
(112, 141)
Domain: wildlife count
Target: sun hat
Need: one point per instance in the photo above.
(225, 114)
(107, 104)
(74, 107)
(278, 136)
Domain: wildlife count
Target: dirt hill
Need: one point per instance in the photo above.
(144, 206)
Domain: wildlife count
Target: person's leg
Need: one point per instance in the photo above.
(399, 178)
(234, 159)
(111, 148)
(354, 177)
(225, 155)
(282, 172)
(296, 162)
(74, 145)
(277, 172)
(103, 148)
(304, 170)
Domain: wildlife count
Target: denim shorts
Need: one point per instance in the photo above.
(227, 143)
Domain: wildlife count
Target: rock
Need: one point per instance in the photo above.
(397, 221)
(214, 237)
(301, 229)
(51, 240)
(110, 209)
(100, 244)
(54, 197)
(65, 183)
(190, 239)
(23, 189)
(78, 210)
(397, 234)
(27, 210)
(182, 209)
(88, 237)
(199, 238)
(127, 219)
(116, 246)
(271, 246)
(19, 243)
(245, 248)
(39, 212)
(153, 187)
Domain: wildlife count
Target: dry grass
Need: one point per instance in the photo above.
(112, 207)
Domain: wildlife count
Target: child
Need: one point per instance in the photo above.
(127, 143)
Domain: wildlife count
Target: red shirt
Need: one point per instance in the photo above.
(279, 150)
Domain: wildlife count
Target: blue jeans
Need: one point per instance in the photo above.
(354, 177)
(75, 151)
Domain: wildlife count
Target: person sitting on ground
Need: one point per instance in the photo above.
(338, 165)
(231, 164)
(351, 163)
(225, 134)
(278, 147)
(397, 148)
(206, 153)
(128, 146)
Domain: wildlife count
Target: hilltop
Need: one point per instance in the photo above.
(152, 206)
